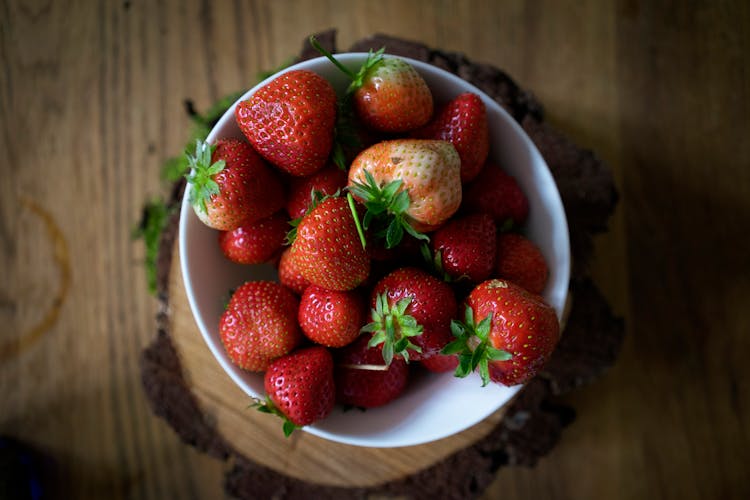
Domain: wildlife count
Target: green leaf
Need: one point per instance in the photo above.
(388, 353)
(498, 354)
(457, 328)
(393, 328)
(369, 328)
(394, 234)
(154, 219)
(400, 203)
(377, 339)
(469, 316)
(484, 372)
(454, 347)
(416, 234)
(174, 168)
(482, 330)
(390, 189)
(464, 366)
(289, 428)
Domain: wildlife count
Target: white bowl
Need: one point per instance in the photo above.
(434, 406)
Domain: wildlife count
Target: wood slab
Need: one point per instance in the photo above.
(187, 387)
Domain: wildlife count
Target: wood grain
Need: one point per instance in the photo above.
(91, 102)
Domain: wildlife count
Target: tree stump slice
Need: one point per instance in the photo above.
(186, 386)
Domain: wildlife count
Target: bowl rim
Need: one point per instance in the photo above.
(215, 345)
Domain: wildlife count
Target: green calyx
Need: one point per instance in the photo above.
(393, 328)
(472, 345)
(374, 59)
(386, 208)
(201, 173)
(267, 406)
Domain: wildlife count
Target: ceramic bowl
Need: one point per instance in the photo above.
(434, 406)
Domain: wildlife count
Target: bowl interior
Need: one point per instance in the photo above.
(434, 406)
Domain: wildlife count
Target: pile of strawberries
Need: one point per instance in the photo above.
(397, 243)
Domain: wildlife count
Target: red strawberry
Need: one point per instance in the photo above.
(329, 317)
(364, 380)
(463, 123)
(326, 181)
(290, 121)
(260, 324)
(513, 336)
(327, 250)
(466, 247)
(411, 314)
(388, 94)
(256, 242)
(300, 387)
(231, 185)
(520, 261)
(441, 363)
(289, 274)
(498, 194)
(408, 185)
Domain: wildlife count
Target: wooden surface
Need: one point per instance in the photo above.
(91, 103)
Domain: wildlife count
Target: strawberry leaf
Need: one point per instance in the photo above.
(473, 346)
(386, 208)
(289, 427)
(267, 406)
(393, 327)
(201, 175)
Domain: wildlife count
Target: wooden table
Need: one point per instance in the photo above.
(91, 103)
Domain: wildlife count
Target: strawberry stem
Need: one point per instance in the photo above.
(373, 60)
(324, 52)
(355, 216)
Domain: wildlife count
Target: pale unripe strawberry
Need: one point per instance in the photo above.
(428, 171)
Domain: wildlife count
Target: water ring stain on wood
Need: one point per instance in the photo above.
(28, 338)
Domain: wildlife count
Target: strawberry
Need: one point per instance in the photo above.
(259, 324)
(388, 94)
(300, 387)
(290, 121)
(411, 314)
(328, 249)
(514, 337)
(411, 185)
(463, 123)
(363, 379)
(329, 317)
(289, 274)
(231, 185)
(441, 363)
(498, 194)
(465, 247)
(326, 181)
(256, 242)
(520, 261)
